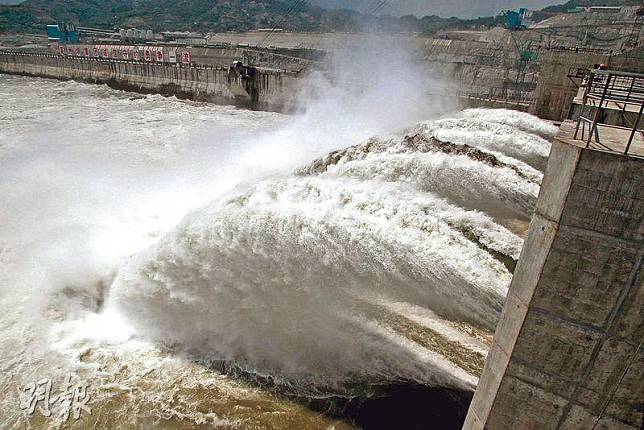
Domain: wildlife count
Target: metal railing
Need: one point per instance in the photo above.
(610, 90)
(576, 74)
(178, 65)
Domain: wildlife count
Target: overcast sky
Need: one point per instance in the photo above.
(445, 8)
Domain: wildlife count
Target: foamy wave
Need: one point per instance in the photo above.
(383, 262)
(468, 177)
(270, 277)
(465, 182)
(283, 279)
(521, 120)
(484, 134)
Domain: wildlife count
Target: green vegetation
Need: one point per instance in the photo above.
(17, 19)
(216, 16)
(229, 15)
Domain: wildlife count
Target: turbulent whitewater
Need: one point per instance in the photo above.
(274, 277)
(191, 261)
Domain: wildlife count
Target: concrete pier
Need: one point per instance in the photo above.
(567, 353)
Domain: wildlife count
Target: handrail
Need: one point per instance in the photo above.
(151, 63)
(606, 88)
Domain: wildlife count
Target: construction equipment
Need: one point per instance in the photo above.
(526, 56)
(62, 33)
(516, 20)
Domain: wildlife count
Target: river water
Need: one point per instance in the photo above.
(202, 266)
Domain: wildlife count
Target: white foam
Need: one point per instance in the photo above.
(490, 135)
(460, 179)
(268, 277)
(272, 276)
(521, 120)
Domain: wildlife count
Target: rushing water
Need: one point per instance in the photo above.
(200, 265)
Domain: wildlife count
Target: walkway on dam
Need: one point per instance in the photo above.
(611, 139)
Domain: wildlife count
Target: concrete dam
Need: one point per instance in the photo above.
(120, 68)
(479, 76)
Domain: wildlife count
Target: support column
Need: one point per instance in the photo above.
(567, 353)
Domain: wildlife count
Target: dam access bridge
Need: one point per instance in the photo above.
(568, 351)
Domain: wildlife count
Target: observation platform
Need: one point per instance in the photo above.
(612, 139)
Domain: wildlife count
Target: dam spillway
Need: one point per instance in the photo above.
(280, 238)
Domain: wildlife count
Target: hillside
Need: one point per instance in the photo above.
(207, 15)
(223, 15)
(215, 16)
(571, 4)
(443, 8)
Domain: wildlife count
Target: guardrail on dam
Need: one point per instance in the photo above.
(268, 90)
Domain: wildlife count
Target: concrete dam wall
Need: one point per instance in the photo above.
(555, 91)
(477, 74)
(567, 353)
(267, 90)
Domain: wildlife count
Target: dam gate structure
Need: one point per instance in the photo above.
(568, 350)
